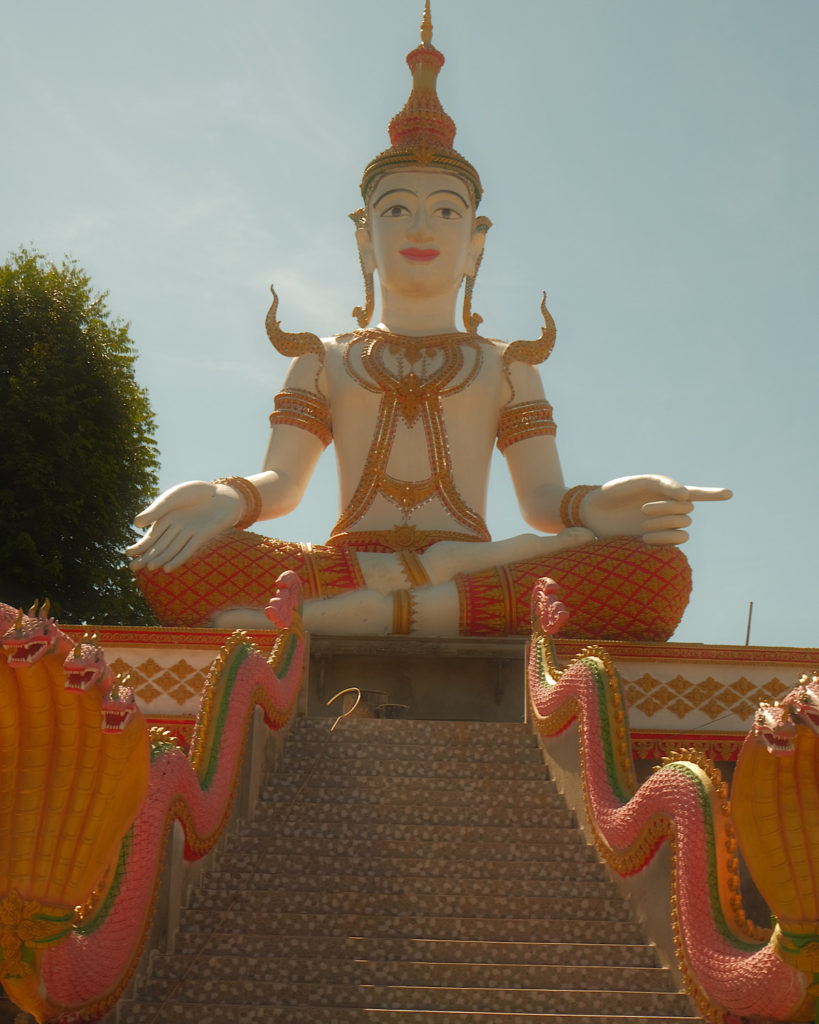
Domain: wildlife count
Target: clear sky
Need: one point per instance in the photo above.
(652, 165)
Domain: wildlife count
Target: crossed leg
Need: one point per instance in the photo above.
(436, 607)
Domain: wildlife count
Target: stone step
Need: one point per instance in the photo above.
(476, 744)
(233, 868)
(248, 1013)
(408, 872)
(166, 970)
(260, 991)
(266, 944)
(364, 814)
(533, 835)
(366, 904)
(202, 921)
(301, 879)
(566, 845)
(373, 789)
(387, 767)
(416, 731)
(349, 757)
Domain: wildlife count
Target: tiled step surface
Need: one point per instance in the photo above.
(277, 946)
(413, 872)
(208, 990)
(167, 970)
(303, 880)
(343, 812)
(372, 870)
(278, 901)
(472, 929)
(253, 1013)
(389, 789)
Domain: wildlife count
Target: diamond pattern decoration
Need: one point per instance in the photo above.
(616, 589)
(681, 697)
(151, 680)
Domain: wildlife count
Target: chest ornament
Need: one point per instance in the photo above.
(413, 376)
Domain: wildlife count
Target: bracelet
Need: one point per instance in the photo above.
(249, 493)
(570, 505)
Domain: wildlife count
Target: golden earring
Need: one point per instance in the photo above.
(363, 314)
(473, 320)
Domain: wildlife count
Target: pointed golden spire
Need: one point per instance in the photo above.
(422, 133)
(426, 25)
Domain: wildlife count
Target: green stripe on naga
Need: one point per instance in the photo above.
(227, 679)
(605, 712)
(281, 658)
(710, 851)
(605, 727)
(104, 909)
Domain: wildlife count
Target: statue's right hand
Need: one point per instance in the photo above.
(181, 521)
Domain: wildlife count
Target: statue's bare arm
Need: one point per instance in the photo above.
(187, 516)
(656, 508)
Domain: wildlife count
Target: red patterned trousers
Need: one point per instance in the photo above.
(617, 589)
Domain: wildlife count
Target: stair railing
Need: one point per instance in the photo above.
(349, 711)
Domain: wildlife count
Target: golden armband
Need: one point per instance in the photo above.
(295, 408)
(527, 419)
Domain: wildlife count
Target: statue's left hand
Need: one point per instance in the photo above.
(655, 508)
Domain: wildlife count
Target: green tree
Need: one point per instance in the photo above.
(77, 455)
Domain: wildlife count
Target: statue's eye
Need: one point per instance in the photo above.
(448, 213)
(395, 211)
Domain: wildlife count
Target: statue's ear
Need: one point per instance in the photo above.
(482, 225)
(364, 240)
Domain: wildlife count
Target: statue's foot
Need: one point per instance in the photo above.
(444, 560)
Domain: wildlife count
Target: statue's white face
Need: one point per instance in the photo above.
(422, 233)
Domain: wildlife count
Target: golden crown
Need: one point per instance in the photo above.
(422, 133)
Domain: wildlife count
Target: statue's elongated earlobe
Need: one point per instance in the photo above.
(472, 321)
(363, 314)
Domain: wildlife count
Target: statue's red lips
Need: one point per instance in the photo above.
(420, 255)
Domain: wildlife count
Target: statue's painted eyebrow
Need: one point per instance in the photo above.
(439, 192)
(449, 192)
(391, 192)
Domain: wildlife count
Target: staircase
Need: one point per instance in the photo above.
(408, 872)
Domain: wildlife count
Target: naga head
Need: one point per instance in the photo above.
(803, 701)
(86, 666)
(32, 636)
(118, 706)
(547, 608)
(774, 729)
(286, 602)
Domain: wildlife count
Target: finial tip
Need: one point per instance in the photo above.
(426, 25)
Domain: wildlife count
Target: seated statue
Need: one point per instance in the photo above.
(414, 407)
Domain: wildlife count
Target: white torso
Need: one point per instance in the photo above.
(428, 424)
